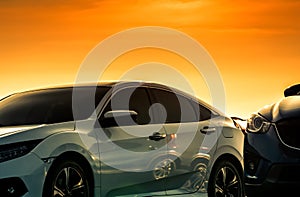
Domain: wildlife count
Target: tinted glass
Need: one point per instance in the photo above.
(204, 113)
(131, 99)
(43, 106)
(177, 108)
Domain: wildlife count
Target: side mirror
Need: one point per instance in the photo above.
(292, 90)
(119, 118)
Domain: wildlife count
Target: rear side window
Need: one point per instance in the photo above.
(203, 113)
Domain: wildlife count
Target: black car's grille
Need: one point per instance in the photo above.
(289, 131)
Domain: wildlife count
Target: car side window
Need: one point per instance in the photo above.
(204, 113)
(177, 108)
(135, 99)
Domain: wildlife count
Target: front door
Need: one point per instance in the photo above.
(130, 153)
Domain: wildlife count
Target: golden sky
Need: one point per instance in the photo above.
(255, 44)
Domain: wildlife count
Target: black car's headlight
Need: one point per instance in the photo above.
(14, 150)
(257, 124)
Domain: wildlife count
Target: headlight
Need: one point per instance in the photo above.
(256, 124)
(12, 151)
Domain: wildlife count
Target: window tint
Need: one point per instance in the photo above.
(44, 106)
(177, 108)
(204, 114)
(135, 99)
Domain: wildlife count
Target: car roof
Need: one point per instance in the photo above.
(107, 84)
(124, 84)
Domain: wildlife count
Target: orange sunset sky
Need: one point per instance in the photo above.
(255, 44)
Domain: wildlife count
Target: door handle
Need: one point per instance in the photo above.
(207, 130)
(156, 136)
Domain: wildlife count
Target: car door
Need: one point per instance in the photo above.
(128, 155)
(187, 124)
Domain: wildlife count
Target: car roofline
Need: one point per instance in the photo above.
(113, 83)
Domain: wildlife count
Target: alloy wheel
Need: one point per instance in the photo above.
(69, 182)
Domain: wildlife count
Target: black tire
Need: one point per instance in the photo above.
(68, 179)
(225, 181)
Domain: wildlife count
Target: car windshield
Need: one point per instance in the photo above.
(293, 90)
(46, 106)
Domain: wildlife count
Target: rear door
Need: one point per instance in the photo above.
(187, 124)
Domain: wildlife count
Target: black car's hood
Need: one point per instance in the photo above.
(287, 107)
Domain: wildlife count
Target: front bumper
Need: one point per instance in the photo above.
(270, 166)
(23, 176)
(280, 179)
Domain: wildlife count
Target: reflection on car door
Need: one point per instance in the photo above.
(186, 129)
(128, 157)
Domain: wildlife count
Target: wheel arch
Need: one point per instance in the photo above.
(79, 159)
(228, 151)
(233, 159)
(221, 160)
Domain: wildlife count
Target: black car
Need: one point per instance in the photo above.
(272, 147)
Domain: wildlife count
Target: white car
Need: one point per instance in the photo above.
(117, 139)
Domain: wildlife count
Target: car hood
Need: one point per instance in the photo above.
(12, 134)
(287, 107)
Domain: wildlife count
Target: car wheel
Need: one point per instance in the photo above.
(225, 181)
(67, 179)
